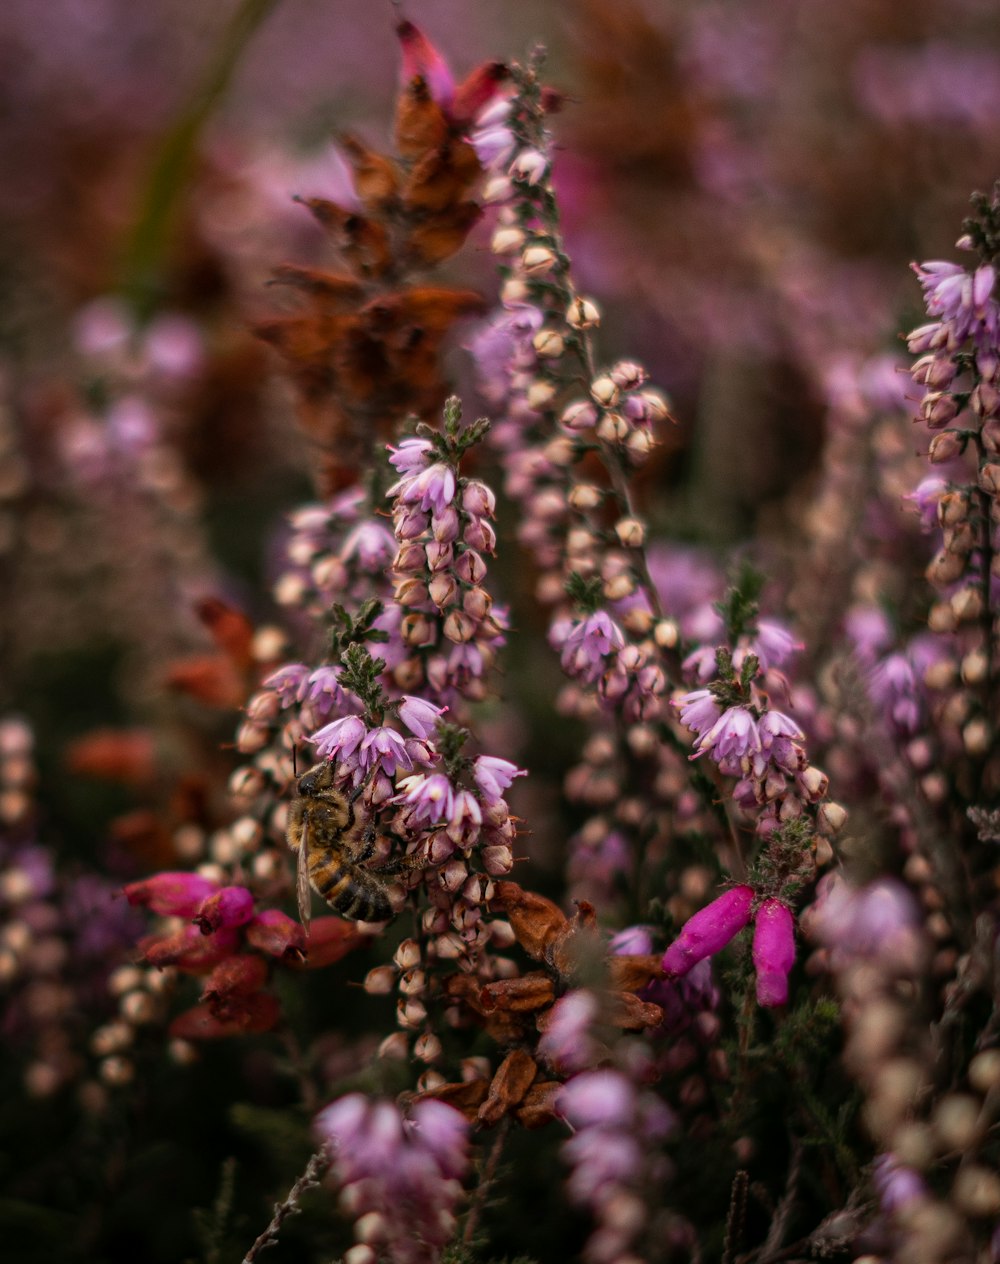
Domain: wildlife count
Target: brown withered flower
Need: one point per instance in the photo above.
(516, 1011)
(365, 351)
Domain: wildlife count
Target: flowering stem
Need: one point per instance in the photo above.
(485, 1181)
(316, 1169)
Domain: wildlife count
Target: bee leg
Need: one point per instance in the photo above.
(367, 849)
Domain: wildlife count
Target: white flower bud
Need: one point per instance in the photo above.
(507, 241)
(407, 955)
(380, 981)
(583, 313)
(538, 260)
(604, 391)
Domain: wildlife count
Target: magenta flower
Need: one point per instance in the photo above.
(170, 894)
(228, 907)
(709, 930)
(340, 739)
(773, 951)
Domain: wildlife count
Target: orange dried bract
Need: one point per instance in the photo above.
(441, 178)
(231, 630)
(420, 122)
(465, 1096)
(363, 242)
(539, 1105)
(626, 1011)
(328, 289)
(439, 237)
(520, 995)
(508, 1087)
(479, 86)
(376, 177)
(630, 973)
(210, 678)
(535, 920)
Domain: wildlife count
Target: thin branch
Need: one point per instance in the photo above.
(316, 1169)
(485, 1181)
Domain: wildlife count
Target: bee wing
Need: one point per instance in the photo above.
(303, 892)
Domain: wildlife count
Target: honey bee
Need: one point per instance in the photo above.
(334, 837)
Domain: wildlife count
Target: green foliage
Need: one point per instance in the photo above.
(740, 603)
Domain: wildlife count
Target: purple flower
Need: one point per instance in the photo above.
(709, 930)
(632, 941)
(897, 1186)
(893, 687)
(596, 1099)
(419, 715)
(384, 748)
(566, 1042)
(773, 951)
(926, 496)
(323, 687)
(774, 645)
(443, 1131)
(431, 489)
(372, 544)
(429, 798)
(340, 739)
(411, 455)
(287, 682)
(774, 725)
(587, 645)
(493, 775)
(699, 710)
(733, 737)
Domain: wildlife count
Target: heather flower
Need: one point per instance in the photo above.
(733, 737)
(431, 489)
(897, 1185)
(773, 951)
(586, 645)
(709, 930)
(894, 689)
(419, 715)
(493, 776)
(340, 740)
(699, 710)
(171, 894)
(774, 644)
(411, 455)
(428, 798)
(226, 908)
(371, 544)
(384, 748)
(288, 682)
(879, 922)
(566, 1042)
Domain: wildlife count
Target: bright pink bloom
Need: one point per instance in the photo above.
(231, 906)
(170, 894)
(773, 951)
(709, 930)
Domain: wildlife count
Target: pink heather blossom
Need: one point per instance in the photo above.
(926, 496)
(340, 739)
(430, 799)
(878, 922)
(372, 544)
(896, 692)
(709, 930)
(411, 455)
(444, 1132)
(384, 748)
(632, 941)
(288, 682)
(897, 1186)
(422, 60)
(597, 1098)
(731, 738)
(774, 644)
(566, 1043)
(465, 819)
(700, 664)
(773, 951)
(774, 725)
(493, 775)
(323, 689)
(588, 643)
(419, 715)
(228, 907)
(171, 894)
(431, 489)
(699, 710)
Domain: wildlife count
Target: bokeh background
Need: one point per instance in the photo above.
(743, 186)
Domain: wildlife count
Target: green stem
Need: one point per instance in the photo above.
(141, 277)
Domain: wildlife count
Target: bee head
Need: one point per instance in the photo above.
(317, 779)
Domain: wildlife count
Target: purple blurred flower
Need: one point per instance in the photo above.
(493, 775)
(773, 951)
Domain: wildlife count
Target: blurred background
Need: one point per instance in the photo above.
(743, 185)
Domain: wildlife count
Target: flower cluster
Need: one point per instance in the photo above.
(399, 1178)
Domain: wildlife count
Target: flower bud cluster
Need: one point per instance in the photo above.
(467, 835)
(399, 1178)
(448, 624)
(959, 367)
(613, 1158)
(59, 938)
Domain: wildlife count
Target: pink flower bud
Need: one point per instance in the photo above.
(277, 934)
(170, 894)
(232, 906)
(773, 951)
(709, 930)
